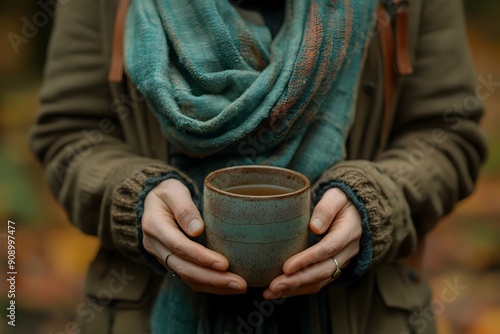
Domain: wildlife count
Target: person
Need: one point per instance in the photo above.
(298, 84)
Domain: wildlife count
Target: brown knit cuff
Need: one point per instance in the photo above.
(382, 201)
(123, 207)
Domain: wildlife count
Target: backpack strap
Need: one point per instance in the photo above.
(395, 53)
(115, 73)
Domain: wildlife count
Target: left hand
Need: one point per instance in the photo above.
(310, 270)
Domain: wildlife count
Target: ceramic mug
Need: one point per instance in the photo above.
(257, 217)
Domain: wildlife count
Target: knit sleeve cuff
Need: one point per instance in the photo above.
(379, 204)
(127, 208)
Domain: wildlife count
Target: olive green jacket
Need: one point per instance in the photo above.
(94, 137)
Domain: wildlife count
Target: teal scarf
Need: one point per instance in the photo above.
(226, 93)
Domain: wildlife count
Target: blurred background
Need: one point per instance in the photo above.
(52, 256)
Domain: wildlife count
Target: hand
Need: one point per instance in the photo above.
(167, 209)
(310, 270)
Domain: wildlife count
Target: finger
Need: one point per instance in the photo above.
(215, 291)
(203, 279)
(162, 236)
(315, 273)
(347, 230)
(178, 198)
(311, 279)
(327, 208)
(171, 240)
(303, 290)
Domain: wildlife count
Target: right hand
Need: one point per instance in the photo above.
(168, 208)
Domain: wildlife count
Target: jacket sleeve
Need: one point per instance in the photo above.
(436, 147)
(78, 136)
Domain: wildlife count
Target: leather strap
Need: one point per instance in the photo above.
(387, 45)
(116, 69)
(402, 35)
(395, 54)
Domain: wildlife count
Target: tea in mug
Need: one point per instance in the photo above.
(259, 190)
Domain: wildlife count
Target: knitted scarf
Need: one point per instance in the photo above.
(226, 93)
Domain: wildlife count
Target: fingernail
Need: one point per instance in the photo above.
(274, 295)
(234, 285)
(269, 295)
(318, 224)
(218, 266)
(281, 287)
(194, 226)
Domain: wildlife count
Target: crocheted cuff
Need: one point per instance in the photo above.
(361, 186)
(128, 205)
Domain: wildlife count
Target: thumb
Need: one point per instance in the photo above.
(327, 208)
(178, 199)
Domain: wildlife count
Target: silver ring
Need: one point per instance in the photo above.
(168, 268)
(337, 271)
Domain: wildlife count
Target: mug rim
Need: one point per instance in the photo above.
(214, 174)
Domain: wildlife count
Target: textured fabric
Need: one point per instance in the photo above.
(76, 101)
(220, 81)
(388, 217)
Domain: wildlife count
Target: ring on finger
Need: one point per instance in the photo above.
(174, 274)
(337, 271)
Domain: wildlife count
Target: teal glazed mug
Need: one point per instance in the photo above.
(257, 217)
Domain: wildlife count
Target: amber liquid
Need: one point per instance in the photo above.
(259, 190)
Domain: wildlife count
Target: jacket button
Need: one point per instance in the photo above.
(412, 276)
